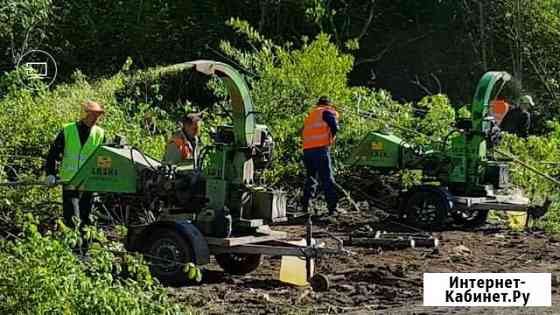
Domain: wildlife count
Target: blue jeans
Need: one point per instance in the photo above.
(318, 168)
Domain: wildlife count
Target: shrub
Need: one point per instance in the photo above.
(543, 154)
(292, 79)
(40, 274)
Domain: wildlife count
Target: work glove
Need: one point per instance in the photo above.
(51, 181)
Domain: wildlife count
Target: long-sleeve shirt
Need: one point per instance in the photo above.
(330, 119)
(57, 148)
(517, 121)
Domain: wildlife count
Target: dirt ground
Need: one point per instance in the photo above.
(379, 281)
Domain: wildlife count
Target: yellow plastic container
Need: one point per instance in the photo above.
(516, 220)
(292, 269)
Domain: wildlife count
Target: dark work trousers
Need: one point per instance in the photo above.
(83, 200)
(318, 168)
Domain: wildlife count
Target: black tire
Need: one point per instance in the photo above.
(427, 209)
(170, 247)
(238, 264)
(470, 219)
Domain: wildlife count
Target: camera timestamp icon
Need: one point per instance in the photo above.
(37, 65)
(37, 70)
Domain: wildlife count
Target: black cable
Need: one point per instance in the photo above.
(144, 156)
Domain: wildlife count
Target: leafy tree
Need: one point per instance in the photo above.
(23, 25)
(292, 79)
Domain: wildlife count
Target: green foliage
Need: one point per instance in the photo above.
(543, 154)
(23, 24)
(292, 79)
(31, 119)
(463, 112)
(42, 275)
(440, 117)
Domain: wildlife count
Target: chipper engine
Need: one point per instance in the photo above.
(461, 179)
(182, 214)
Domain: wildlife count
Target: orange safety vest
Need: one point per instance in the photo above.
(316, 132)
(499, 109)
(183, 145)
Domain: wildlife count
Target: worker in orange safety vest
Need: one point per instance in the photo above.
(319, 133)
(183, 145)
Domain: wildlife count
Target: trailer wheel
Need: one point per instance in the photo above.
(167, 252)
(426, 209)
(470, 219)
(238, 264)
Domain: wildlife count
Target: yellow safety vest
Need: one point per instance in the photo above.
(75, 155)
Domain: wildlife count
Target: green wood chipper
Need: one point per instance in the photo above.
(176, 215)
(462, 180)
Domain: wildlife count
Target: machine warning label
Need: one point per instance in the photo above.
(487, 289)
(377, 146)
(104, 161)
(104, 167)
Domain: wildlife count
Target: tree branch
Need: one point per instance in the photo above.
(542, 78)
(263, 7)
(437, 81)
(419, 84)
(365, 28)
(390, 46)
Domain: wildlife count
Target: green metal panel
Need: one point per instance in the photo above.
(469, 152)
(111, 169)
(216, 192)
(458, 156)
(379, 150)
(485, 91)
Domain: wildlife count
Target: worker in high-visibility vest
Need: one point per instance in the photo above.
(319, 133)
(184, 146)
(70, 150)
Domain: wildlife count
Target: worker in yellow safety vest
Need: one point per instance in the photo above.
(74, 144)
(319, 133)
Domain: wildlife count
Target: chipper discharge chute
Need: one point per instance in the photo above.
(177, 215)
(461, 178)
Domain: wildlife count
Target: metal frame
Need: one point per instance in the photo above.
(486, 203)
(270, 243)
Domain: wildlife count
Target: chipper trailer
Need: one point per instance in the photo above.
(182, 214)
(461, 178)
